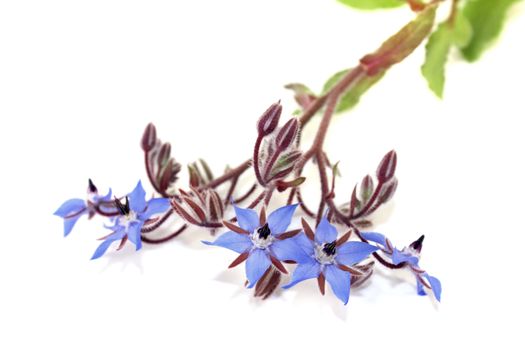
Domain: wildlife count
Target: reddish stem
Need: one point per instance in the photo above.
(164, 239)
(235, 172)
(157, 223)
(256, 150)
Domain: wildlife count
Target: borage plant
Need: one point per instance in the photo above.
(266, 244)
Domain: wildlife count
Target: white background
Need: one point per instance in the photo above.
(79, 80)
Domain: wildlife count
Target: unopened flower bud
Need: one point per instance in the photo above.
(387, 192)
(214, 206)
(164, 155)
(387, 167)
(287, 134)
(270, 119)
(367, 188)
(195, 179)
(149, 138)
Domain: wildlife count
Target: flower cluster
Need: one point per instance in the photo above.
(128, 215)
(267, 244)
(263, 242)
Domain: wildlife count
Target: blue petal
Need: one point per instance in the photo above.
(101, 249)
(374, 237)
(137, 198)
(303, 272)
(69, 223)
(436, 286)
(105, 198)
(247, 218)
(305, 244)
(134, 234)
(280, 219)
(339, 280)
(290, 249)
(233, 241)
(70, 206)
(420, 289)
(325, 232)
(351, 253)
(155, 206)
(399, 257)
(256, 265)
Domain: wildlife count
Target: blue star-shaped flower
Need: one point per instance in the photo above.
(259, 241)
(410, 257)
(323, 256)
(133, 213)
(74, 209)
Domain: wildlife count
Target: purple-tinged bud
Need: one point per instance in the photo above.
(270, 119)
(164, 155)
(195, 179)
(387, 167)
(418, 244)
(215, 207)
(149, 138)
(387, 192)
(367, 188)
(287, 134)
(166, 176)
(91, 187)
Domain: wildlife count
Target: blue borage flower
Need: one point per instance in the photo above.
(260, 241)
(321, 255)
(410, 257)
(73, 209)
(134, 212)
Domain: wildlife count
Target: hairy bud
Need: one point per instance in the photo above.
(387, 167)
(287, 134)
(149, 138)
(270, 119)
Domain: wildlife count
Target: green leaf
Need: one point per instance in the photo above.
(437, 50)
(334, 79)
(462, 30)
(351, 97)
(438, 47)
(401, 44)
(486, 18)
(373, 4)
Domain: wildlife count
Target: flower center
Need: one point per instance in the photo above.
(122, 208)
(127, 219)
(262, 237)
(325, 253)
(127, 215)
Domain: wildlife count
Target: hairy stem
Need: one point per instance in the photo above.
(235, 172)
(164, 239)
(157, 223)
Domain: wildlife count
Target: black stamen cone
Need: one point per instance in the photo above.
(418, 244)
(123, 208)
(92, 188)
(264, 231)
(329, 248)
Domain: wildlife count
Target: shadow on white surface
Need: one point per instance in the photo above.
(123, 259)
